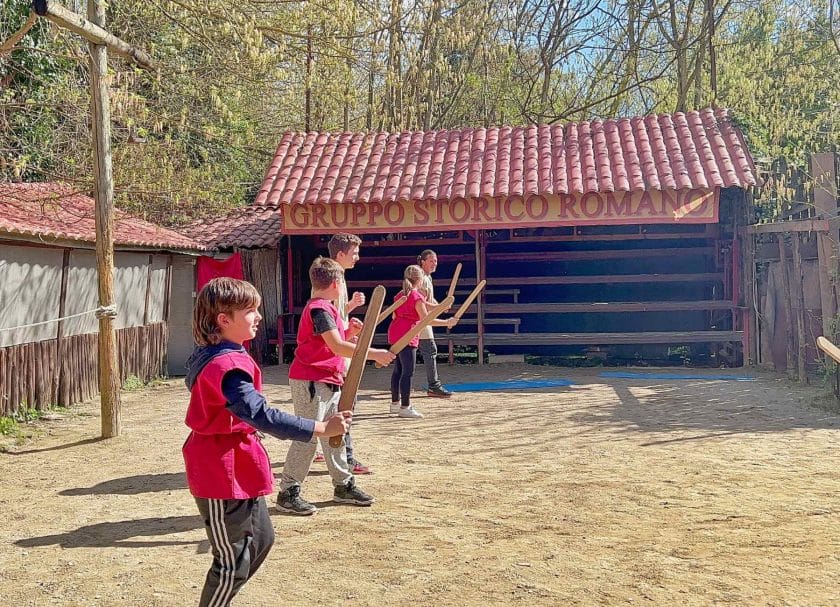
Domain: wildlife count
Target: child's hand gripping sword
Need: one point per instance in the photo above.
(433, 313)
(357, 362)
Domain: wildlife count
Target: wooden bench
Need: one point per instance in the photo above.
(564, 339)
(515, 322)
(607, 307)
(607, 279)
(492, 291)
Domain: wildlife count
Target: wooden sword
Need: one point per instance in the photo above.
(432, 314)
(353, 378)
(454, 283)
(470, 298)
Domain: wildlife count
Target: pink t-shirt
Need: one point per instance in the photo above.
(406, 318)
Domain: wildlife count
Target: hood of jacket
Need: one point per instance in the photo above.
(202, 355)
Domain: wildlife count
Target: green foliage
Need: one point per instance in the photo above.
(8, 426)
(133, 383)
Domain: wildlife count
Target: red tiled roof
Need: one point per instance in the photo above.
(243, 227)
(57, 211)
(698, 149)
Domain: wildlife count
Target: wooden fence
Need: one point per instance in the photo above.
(62, 372)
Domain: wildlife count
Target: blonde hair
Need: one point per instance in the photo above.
(323, 272)
(220, 296)
(413, 274)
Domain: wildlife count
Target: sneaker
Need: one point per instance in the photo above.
(410, 412)
(395, 407)
(291, 501)
(319, 458)
(357, 467)
(350, 494)
(439, 392)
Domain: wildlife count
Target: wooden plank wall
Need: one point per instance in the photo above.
(33, 376)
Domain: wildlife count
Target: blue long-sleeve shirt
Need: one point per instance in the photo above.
(246, 403)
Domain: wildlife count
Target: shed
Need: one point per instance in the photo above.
(616, 237)
(49, 291)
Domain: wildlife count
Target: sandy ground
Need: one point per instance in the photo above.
(608, 492)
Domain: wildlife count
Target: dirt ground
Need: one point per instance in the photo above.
(607, 492)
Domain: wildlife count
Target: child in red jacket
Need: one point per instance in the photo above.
(405, 318)
(315, 379)
(228, 470)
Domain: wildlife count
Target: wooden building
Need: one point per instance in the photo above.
(609, 238)
(48, 272)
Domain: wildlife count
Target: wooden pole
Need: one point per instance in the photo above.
(109, 388)
(797, 292)
(60, 377)
(788, 307)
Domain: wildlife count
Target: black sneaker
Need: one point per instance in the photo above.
(350, 494)
(440, 392)
(291, 501)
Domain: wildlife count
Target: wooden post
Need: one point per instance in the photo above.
(148, 290)
(109, 388)
(60, 377)
(797, 292)
(480, 272)
(788, 306)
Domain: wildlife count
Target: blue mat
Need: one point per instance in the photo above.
(514, 384)
(629, 375)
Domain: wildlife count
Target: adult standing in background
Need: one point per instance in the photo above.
(428, 348)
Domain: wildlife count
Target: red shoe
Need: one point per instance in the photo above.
(319, 458)
(360, 468)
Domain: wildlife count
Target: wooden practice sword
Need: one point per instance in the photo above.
(470, 298)
(829, 348)
(391, 309)
(433, 313)
(357, 363)
(454, 283)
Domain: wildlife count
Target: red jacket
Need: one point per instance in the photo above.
(223, 455)
(314, 361)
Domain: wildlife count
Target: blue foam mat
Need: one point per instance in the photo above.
(514, 384)
(631, 375)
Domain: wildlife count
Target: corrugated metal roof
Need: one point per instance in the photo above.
(698, 149)
(57, 211)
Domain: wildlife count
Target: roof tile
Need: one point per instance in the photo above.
(58, 211)
(698, 149)
(246, 227)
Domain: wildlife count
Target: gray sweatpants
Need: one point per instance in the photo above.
(299, 458)
(241, 535)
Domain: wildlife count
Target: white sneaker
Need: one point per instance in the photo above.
(395, 407)
(410, 412)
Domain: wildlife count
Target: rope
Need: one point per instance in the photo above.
(100, 312)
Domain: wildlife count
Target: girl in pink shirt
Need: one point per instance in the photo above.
(404, 319)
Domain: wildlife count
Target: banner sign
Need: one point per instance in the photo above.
(533, 210)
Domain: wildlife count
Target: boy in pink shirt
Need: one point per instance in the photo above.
(315, 379)
(228, 470)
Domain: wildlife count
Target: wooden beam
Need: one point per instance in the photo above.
(92, 30)
(801, 225)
